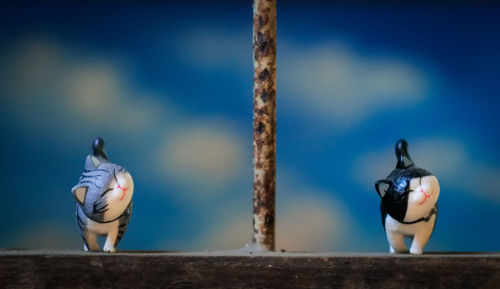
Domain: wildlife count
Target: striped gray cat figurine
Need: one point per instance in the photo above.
(103, 200)
(408, 203)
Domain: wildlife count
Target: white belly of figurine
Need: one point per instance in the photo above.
(420, 232)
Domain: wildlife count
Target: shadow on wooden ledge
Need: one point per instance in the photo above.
(238, 269)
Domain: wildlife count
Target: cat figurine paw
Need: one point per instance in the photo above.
(408, 203)
(103, 200)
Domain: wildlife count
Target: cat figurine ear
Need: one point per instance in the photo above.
(92, 163)
(382, 187)
(79, 193)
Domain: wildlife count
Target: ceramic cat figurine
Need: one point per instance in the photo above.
(409, 203)
(103, 200)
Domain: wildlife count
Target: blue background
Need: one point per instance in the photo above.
(169, 87)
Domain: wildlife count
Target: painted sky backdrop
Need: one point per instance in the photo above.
(169, 88)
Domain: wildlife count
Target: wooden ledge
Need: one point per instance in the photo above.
(238, 269)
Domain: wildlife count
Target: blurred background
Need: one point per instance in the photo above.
(169, 87)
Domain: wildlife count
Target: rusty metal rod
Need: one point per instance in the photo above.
(264, 123)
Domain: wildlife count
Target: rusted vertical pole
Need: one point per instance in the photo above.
(264, 123)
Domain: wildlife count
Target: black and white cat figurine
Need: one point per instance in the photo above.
(103, 200)
(408, 203)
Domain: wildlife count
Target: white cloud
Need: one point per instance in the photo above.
(57, 91)
(230, 233)
(46, 87)
(204, 158)
(337, 84)
(307, 220)
(34, 62)
(449, 159)
(97, 93)
(331, 81)
(215, 47)
(312, 222)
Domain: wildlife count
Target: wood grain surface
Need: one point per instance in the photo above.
(75, 269)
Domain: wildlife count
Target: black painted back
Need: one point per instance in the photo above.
(395, 200)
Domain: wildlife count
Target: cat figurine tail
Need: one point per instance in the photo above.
(408, 203)
(103, 200)
(98, 150)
